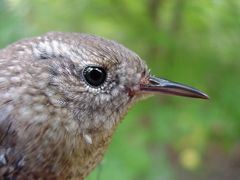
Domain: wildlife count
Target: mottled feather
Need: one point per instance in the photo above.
(52, 124)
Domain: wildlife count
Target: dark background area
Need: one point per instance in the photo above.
(188, 41)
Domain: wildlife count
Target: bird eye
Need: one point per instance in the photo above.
(94, 75)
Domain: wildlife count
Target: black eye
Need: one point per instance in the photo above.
(94, 75)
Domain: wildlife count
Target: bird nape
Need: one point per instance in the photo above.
(61, 97)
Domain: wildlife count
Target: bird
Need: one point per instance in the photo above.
(62, 96)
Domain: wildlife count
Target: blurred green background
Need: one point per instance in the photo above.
(196, 42)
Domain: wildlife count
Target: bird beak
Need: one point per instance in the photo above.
(157, 85)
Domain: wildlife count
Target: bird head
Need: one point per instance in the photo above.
(96, 79)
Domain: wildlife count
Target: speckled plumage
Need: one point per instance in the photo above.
(52, 124)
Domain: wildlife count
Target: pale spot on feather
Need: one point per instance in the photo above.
(25, 112)
(87, 138)
(39, 107)
(39, 118)
(3, 160)
(3, 79)
(15, 79)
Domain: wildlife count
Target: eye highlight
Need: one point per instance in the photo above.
(94, 75)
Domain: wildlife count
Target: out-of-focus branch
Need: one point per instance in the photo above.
(174, 29)
(153, 7)
(177, 16)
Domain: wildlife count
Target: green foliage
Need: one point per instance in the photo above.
(194, 42)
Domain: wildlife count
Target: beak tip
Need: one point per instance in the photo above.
(201, 95)
(205, 96)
